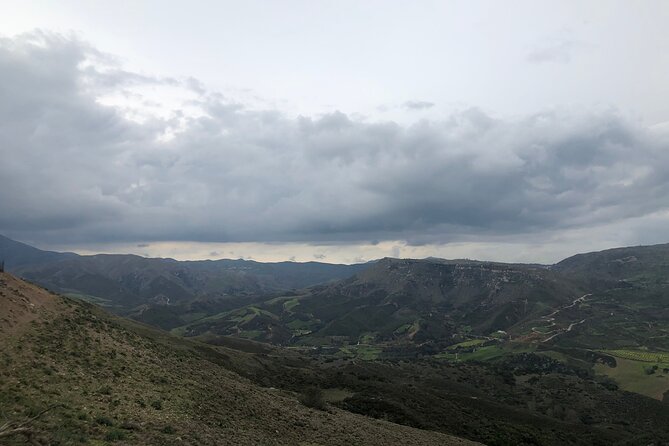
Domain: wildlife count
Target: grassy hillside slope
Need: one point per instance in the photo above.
(107, 380)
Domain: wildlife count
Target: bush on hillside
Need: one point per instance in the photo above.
(313, 397)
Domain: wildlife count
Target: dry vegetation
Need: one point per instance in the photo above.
(117, 382)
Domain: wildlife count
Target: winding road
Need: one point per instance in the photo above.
(551, 318)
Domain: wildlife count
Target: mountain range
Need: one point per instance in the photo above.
(126, 282)
(503, 354)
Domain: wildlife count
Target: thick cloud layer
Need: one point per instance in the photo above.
(86, 157)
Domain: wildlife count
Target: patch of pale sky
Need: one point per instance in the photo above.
(307, 57)
(544, 248)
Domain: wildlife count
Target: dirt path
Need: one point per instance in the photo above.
(551, 318)
(572, 325)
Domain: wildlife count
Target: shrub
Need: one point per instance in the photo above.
(313, 397)
(157, 404)
(104, 421)
(115, 435)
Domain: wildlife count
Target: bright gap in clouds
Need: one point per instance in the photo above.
(544, 249)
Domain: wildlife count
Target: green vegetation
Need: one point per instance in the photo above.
(313, 397)
(367, 338)
(250, 334)
(362, 352)
(298, 324)
(467, 344)
(89, 298)
(501, 354)
(477, 354)
(115, 435)
(114, 381)
(336, 395)
(290, 304)
(640, 355)
(638, 377)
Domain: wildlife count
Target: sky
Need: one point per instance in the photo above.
(335, 131)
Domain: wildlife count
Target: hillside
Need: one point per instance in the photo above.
(606, 311)
(619, 267)
(414, 301)
(16, 254)
(107, 380)
(125, 282)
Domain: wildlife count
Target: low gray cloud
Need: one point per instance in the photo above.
(75, 170)
(418, 105)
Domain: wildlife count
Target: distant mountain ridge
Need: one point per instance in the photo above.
(441, 302)
(420, 303)
(16, 254)
(613, 266)
(403, 300)
(127, 281)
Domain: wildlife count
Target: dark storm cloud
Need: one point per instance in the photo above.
(75, 170)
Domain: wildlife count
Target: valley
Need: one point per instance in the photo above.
(501, 354)
(325, 223)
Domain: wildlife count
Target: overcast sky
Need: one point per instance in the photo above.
(333, 130)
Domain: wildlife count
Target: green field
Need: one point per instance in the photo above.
(336, 395)
(363, 352)
(250, 334)
(633, 376)
(91, 299)
(479, 354)
(640, 355)
(486, 353)
(290, 304)
(466, 344)
(367, 338)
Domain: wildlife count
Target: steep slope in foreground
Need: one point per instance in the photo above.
(106, 380)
